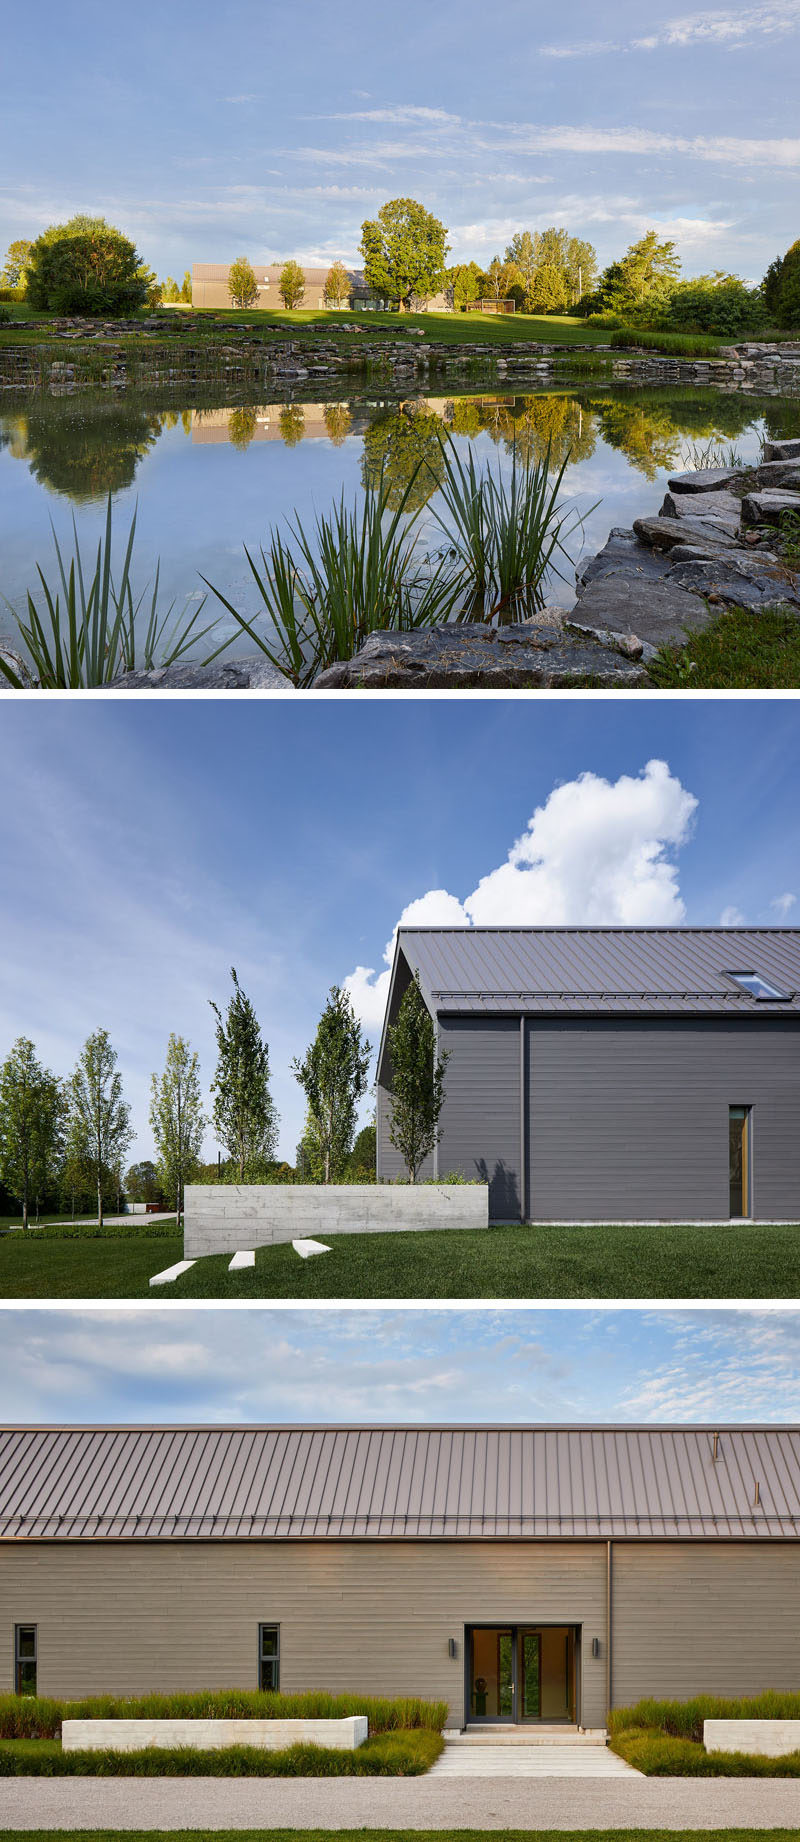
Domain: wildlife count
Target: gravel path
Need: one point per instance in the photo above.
(399, 1803)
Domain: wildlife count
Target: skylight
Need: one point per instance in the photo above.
(757, 987)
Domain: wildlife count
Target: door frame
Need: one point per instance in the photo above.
(516, 1627)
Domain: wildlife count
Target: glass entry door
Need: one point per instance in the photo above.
(521, 1673)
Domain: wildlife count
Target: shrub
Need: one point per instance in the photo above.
(23, 1717)
(388, 1755)
(86, 266)
(674, 345)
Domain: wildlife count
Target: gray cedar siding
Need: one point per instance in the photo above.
(375, 1618)
(481, 1115)
(705, 1618)
(628, 1118)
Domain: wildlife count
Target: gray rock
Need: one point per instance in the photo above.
(628, 644)
(17, 665)
(768, 506)
(779, 473)
(658, 613)
(252, 673)
(664, 533)
(622, 554)
(722, 507)
(536, 653)
(707, 479)
(722, 583)
(782, 450)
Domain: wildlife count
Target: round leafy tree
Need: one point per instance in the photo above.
(242, 284)
(86, 267)
(404, 250)
(291, 284)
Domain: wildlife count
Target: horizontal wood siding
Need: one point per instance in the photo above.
(481, 1115)
(704, 1618)
(129, 1619)
(629, 1117)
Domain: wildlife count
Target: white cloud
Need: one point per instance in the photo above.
(597, 852)
(732, 917)
(783, 903)
(732, 29)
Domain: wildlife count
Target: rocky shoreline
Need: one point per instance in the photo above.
(238, 361)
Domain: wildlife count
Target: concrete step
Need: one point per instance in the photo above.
(543, 1735)
(530, 1762)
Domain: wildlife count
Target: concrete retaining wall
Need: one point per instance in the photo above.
(272, 1735)
(220, 1218)
(769, 1738)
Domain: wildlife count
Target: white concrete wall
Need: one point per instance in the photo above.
(272, 1735)
(770, 1738)
(223, 1217)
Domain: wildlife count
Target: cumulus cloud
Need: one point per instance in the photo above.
(597, 852)
(776, 19)
(781, 904)
(731, 917)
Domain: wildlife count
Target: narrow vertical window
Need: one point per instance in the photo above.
(25, 1659)
(739, 1162)
(269, 1656)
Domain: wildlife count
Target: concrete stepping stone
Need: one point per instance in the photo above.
(307, 1248)
(171, 1273)
(241, 1260)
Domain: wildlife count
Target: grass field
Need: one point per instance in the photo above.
(438, 328)
(739, 1260)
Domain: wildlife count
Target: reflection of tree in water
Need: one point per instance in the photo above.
(338, 422)
(530, 425)
(86, 452)
(401, 440)
(242, 426)
(652, 430)
(292, 423)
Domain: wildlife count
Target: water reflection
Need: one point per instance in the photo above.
(83, 448)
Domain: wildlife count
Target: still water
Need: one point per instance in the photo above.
(209, 479)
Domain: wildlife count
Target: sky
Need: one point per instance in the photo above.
(273, 132)
(244, 1364)
(146, 847)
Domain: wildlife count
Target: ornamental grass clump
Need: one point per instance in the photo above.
(504, 534)
(29, 1717)
(664, 1739)
(387, 1755)
(90, 638)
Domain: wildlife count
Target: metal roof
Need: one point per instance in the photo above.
(570, 970)
(436, 1482)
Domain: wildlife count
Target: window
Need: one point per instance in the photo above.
(269, 1656)
(757, 987)
(25, 1659)
(739, 1162)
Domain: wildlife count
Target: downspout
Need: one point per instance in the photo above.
(436, 1140)
(523, 1173)
(609, 1624)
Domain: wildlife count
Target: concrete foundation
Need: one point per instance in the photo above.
(769, 1738)
(219, 1218)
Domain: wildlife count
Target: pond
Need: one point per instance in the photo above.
(209, 478)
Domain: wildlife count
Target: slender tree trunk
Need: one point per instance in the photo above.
(25, 1207)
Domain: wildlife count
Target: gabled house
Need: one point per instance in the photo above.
(210, 288)
(523, 1574)
(611, 1074)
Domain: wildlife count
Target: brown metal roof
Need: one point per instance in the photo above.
(571, 970)
(128, 1483)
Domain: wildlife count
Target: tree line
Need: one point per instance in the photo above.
(68, 1139)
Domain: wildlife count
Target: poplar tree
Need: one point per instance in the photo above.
(333, 1076)
(245, 1120)
(31, 1122)
(242, 284)
(99, 1126)
(177, 1119)
(417, 1080)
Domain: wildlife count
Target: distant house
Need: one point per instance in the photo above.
(612, 1074)
(523, 1574)
(210, 288)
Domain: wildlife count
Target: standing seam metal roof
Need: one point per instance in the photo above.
(259, 1483)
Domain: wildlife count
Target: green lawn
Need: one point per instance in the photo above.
(741, 650)
(438, 328)
(735, 1261)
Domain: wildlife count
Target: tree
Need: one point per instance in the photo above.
(31, 1124)
(501, 277)
(781, 288)
(643, 278)
(16, 262)
(416, 1080)
(580, 268)
(333, 1076)
(242, 284)
(245, 1120)
(548, 291)
(86, 266)
(177, 1119)
(186, 287)
(337, 285)
(363, 1157)
(141, 1182)
(170, 291)
(404, 250)
(291, 284)
(468, 283)
(99, 1128)
(523, 254)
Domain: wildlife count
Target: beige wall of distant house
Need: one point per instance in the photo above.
(375, 1616)
(210, 288)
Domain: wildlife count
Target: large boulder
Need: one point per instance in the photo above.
(720, 508)
(665, 533)
(768, 506)
(658, 613)
(540, 652)
(707, 479)
(251, 673)
(782, 450)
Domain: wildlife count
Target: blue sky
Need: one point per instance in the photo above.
(275, 132)
(262, 1364)
(147, 846)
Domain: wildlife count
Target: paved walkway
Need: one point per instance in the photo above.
(399, 1803)
(530, 1762)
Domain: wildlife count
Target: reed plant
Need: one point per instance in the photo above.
(89, 637)
(505, 535)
